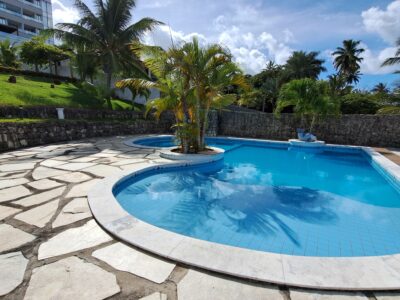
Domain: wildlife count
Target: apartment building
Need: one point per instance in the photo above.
(22, 19)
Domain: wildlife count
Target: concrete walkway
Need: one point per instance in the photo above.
(52, 248)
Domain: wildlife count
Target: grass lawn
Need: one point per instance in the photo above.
(33, 91)
(25, 120)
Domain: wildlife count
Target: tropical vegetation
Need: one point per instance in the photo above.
(104, 34)
(192, 80)
(310, 100)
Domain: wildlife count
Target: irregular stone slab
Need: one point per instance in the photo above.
(136, 166)
(39, 216)
(155, 296)
(71, 278)
(17, 167)
(12, 182)
(4, 156)
(84, 159)
(44, 172)
(103, 154)
(75, 166)
(74, 177)
(107, 160)
(81, 190)
(12, 270)
(128, 162)
(51, 163)
(74, 239)
(325, 295)
(125, 258)
(102, 170)
(44, 184)
(40, 198)
(198, 286)
(12, 237)
(6, 211)
(387, 296)
(77, 209)
(14, 193)
(12, 175)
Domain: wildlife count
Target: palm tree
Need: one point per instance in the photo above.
(210, 70)
(175, 92)
(393, 60)
(338, 85)
(107, 32)
(309, 98)
(269, 82)
(304, 65)
(192, 80)
(380, 88)
(8, 54)
(347, 60)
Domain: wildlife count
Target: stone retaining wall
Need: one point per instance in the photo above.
(364, 130)
(18, 135)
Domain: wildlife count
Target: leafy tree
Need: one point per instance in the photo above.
(304, 65)
(347, 60)
(309, 98)
(36, 52)
(359, 103)
(106, 33)
(8, 54)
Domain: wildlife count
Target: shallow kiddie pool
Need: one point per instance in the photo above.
(273, 198)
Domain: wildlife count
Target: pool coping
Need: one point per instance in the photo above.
(328, 273)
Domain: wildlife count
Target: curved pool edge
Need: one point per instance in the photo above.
(329, 273)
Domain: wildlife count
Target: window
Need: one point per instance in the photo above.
(3, 21)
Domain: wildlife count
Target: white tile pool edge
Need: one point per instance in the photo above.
(332, 273)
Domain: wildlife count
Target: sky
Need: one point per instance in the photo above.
(257, 31)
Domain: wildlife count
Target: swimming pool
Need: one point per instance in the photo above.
(273, 198)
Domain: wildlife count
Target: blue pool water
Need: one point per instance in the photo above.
(268, 197)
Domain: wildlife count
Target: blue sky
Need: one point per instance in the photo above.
(257, 31)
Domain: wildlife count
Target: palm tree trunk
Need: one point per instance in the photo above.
(108, 82)
(204, 128)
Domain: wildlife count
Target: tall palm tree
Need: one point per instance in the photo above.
(304, 65)
(380, 88)
(107, 32)
(348, 60)
(393, 60)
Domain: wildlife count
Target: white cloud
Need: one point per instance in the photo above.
(251, 52)
(64, 14)
(386, 23)
(164, 36)
(372, 63)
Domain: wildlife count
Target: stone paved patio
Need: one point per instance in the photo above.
(52, 248)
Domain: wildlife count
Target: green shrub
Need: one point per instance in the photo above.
(359, 103)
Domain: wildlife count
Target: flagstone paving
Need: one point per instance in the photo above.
(52, 248)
